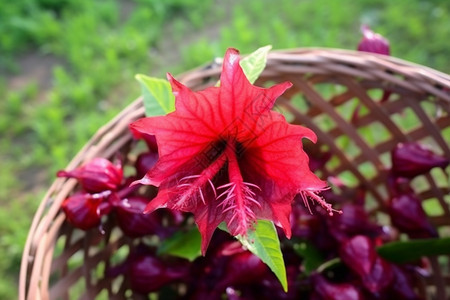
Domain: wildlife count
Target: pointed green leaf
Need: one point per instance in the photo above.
(254, 63)
(264, 243)
(409, 251)
(158, 97)
(182, 244)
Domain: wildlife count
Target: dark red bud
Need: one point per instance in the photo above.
(148, 274)
(407, 215)
(412, 159)
(334, 291)
(359, 254)
(403, 285)
(380, 276)
(241, 268)
(96, 176)
(144, 162)
(85, 210)
(373, 42)
(132, 220)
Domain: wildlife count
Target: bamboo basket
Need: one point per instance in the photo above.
(328, 84)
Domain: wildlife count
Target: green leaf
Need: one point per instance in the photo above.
(264, 243)
(312, 258)
(158, 97)
(409, 251)
(182, 244)
(254, 63)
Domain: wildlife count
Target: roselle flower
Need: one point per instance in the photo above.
(412, 159)
(224, 155)
(408, 215)
(97, 175)
(84, 210)
(373, 42)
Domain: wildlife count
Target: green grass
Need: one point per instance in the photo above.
(98, 46)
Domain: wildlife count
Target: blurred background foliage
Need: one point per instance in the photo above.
(67, 67)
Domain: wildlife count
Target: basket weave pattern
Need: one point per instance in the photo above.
(60, 262)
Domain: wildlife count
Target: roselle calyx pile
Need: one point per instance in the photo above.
(217, 173)
(230, 270)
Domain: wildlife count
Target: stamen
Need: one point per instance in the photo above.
(233, 216)
(313, 195)
(253, 201)
(201, 195)
(306, 202)
(251, 195)
(213, 188)
(184, 185)
(229, 208)
(225, 185)
(253, 185)
(192, 187)
(229, 196)
(189, 177)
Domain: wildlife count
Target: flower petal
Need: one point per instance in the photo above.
(278, 153)
(239, 99)
(207, 217)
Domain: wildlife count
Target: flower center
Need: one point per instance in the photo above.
(239, 196)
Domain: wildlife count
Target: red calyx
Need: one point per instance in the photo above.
(84, 210)
(97, 175)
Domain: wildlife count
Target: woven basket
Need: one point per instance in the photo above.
(328, 85)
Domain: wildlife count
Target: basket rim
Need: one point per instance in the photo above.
(430, 81)
(325, 52)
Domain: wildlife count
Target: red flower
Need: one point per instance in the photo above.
(224, 155)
